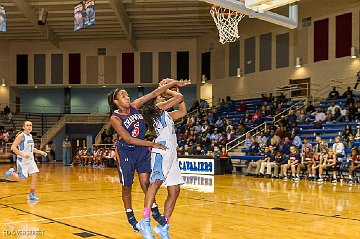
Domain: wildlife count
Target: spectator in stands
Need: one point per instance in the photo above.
(329, 116)
(210, 118)
(222, 139)
(264, 97)
(345, 114)
(248, 140)
(205, 127)
(229, 102)
(223, 152)
(338, 117)
(320, 116)
(310, 108)
(305, 145)
(301, 117)
(353, 111)
(219, 122)
(357, 136)
(285, 146)
(247, 117)
(334, 94)
(339, 148)
(197, 128)
(357, 80)
(268, 162)
(333, 107)
(214, 135)
(230, 134)
(240, 130)
(291, 118)
(261, 137)
(205, 142)
(199, 151)
(270, 98)
(278, 109)
(203, 104)
(222, 104)
(281, 98)
(187, 150)
(347, 93)
(348, 136)
(355, 163)
(242, 107)
(306, 163)
(256, 118)
(195, 106)
(296, 140)
(254, 148)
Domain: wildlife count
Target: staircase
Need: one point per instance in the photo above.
(71, 119)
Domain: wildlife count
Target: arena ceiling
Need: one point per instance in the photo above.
(115, 19)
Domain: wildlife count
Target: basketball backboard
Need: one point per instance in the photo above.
(261, 9)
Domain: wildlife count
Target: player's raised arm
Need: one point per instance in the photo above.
(160, 90)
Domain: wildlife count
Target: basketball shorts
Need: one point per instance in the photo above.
(26, 167)
(165, 165)
(129, 159)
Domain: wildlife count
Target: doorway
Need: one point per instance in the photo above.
(300, 87)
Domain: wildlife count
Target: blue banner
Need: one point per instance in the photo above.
(2, 19)
(89, 15)
(78, 16)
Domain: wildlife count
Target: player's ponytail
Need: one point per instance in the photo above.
(151, 113)
(111, 97)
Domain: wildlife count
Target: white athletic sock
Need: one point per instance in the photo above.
(350, 177)
(128, 210)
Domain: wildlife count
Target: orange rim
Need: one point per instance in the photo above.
(233, 13)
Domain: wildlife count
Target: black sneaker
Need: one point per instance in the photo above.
(160, 218)
(132, 220)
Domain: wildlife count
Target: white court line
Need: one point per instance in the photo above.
(138, 210)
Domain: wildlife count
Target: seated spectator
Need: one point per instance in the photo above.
(229, 102)
(348, 136)
(301, 117)
(264, 97)
(242, 107)
(338, 148)
(338, 117)
(216, 152)
(197, 128)
(230, 134)
(270, 98)
(296, 141)
(205, 127)
(348, 93)
(349, 100)
(332, 107)
(261, 137)
(187, 150)
(219, 122)
(330, 116)
(357, 136)
(240, 130)
(254, 148)
(268, 162)
(310, 108)
(320, 116)
(256, 118)
(198, 151)
(248, 140)
(334, 94)
(210, 118)
(195, 106)
(291, 117)
(285, 146)
(214, 135)
(223, 152)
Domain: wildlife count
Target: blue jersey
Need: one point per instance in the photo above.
(133, 122)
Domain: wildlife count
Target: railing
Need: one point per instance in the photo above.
(241, 139)
(296, 106)
(98, 136)
(262, 127)
(71, 119)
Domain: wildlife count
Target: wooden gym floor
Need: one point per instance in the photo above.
(81, 202)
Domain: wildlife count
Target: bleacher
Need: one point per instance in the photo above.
(328, 132)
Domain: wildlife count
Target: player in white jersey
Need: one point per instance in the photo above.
(23, 147)
(164, 163)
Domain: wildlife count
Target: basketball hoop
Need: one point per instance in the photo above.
(227, 22)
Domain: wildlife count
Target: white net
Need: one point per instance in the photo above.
(227, 22)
